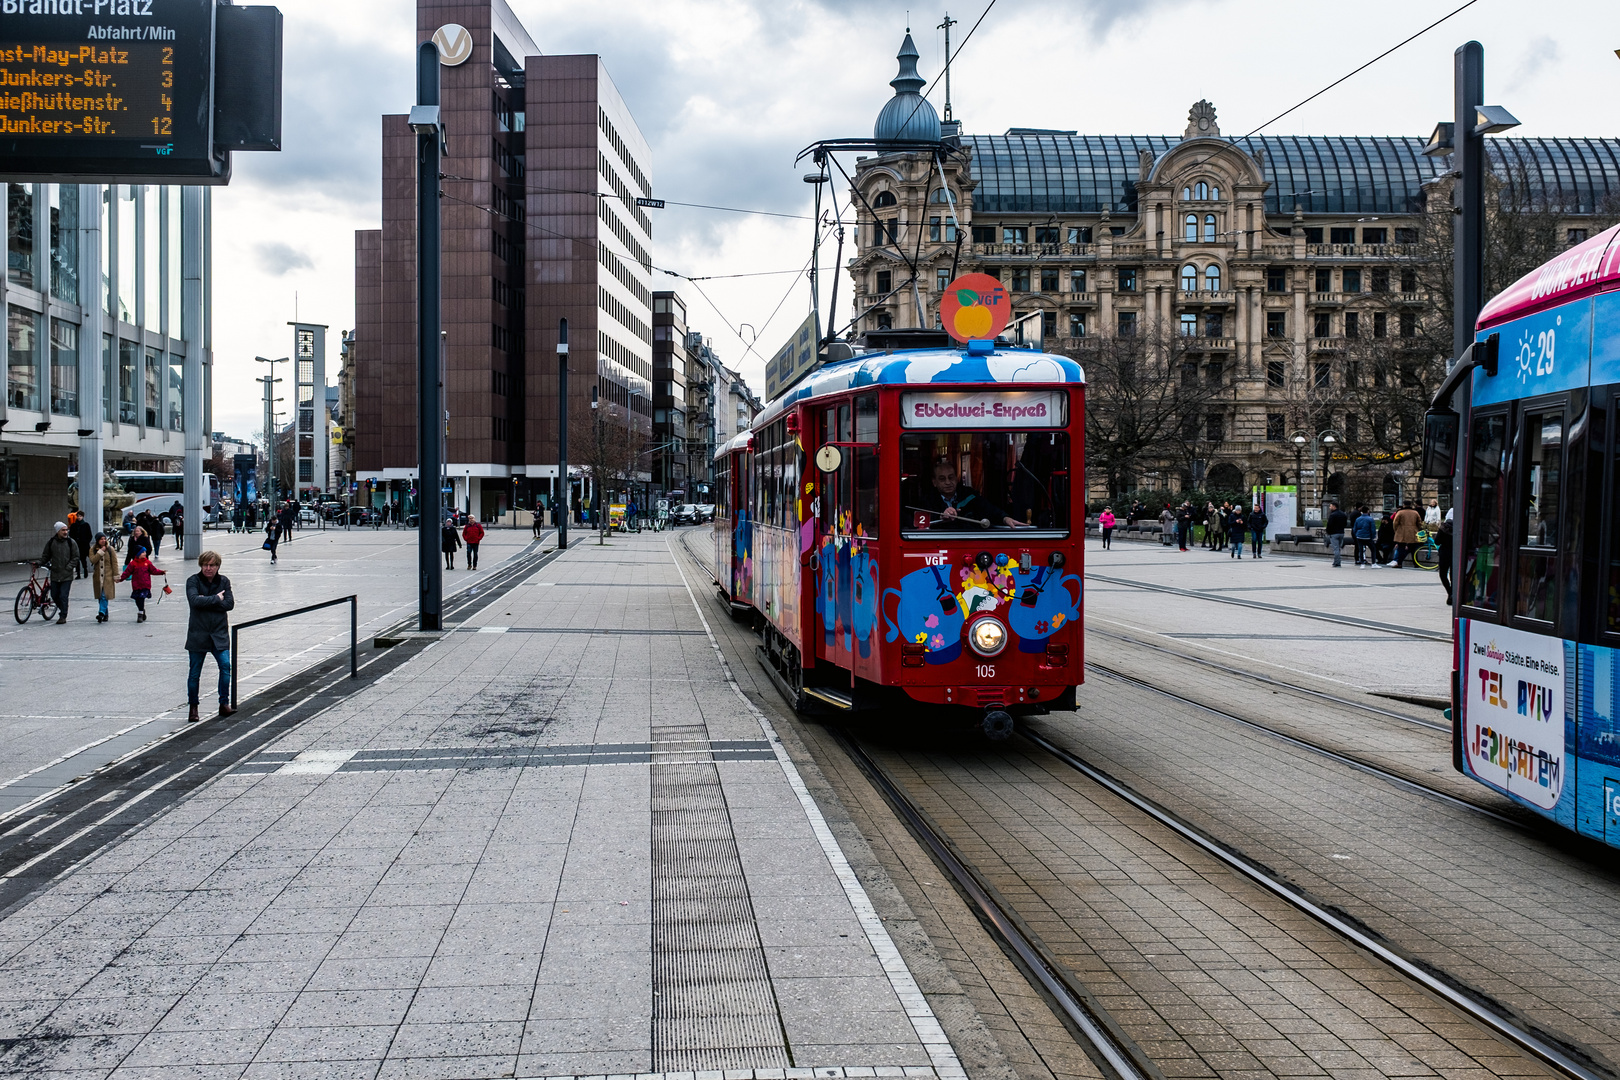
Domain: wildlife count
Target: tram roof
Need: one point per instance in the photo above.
(933, 367)
(1592, 266)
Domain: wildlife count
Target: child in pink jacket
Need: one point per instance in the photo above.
(140, 570)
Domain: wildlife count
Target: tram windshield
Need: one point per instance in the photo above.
(984, 481)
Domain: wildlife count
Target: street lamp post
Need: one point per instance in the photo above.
(269, 434)
(1321, 439)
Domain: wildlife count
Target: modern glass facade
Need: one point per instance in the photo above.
(1061, 173)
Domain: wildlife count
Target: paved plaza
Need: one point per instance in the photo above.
(557, 842)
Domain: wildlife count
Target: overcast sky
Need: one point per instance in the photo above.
(727, 91)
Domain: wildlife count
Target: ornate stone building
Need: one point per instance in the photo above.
(1275, 278)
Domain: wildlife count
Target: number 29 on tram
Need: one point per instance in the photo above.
(912, 523)
(1534, 444)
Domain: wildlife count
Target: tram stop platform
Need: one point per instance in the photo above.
(556, 841)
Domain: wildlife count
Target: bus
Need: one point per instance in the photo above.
(1535, 444)
(154, 492)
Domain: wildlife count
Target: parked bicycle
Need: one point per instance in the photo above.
(1427, 554)
(34, 596)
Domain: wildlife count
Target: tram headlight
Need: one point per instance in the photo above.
(987, 637)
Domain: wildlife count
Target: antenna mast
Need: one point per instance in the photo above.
(946, 26)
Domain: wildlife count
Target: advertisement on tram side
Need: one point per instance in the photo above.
(1513, 712)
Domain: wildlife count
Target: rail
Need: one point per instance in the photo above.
(352, 600)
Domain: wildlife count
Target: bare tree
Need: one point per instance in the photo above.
(609, 447)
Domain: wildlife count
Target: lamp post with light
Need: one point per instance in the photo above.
(1321, 439)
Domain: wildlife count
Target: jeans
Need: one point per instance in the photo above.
(1237, 545)
(59, 595)
(223, 658)
(472, 556)
(1401, 552)
(1336, 545)
(1257, 537)
(1361, 547)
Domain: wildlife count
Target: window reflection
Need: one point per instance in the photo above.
(1539, 474)
(1481, 573)
(987, 476)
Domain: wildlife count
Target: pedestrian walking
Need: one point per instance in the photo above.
(1443, 537)
(1384, 549)
(208, 631)
(1215, 528)
(538, 521)
(251, 516)
(238, 518)
(61, 557)
(139, 571)
(1364, 532)
(155, 527)
(1237, 525)
(138, 541)
(1406, 524)
(449, 541)
(1336, 521)
(80, 533)
(177, 522)
(1106, 522)
(1167, 525)
(103, 575)
(472, 535)
(1184, 524)
(272, 539)
(1257, 531)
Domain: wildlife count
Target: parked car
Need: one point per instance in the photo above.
(363, 515)
(308, 516)
(707, 510)
(686, 514)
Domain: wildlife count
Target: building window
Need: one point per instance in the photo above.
(1189, 324)
(1380, 324)
(129, 362)
(64, 368)
(1276, 279)
(1127, 279)
(1352, 280)
(940, 195)
(1213, 325)
(1015, 234)
(1049, 280)
(1046, 234)
(1380, 279)
(1352, 373)
(22, 364)
(1276, 374)
(1352, 324)
(1212, 427)
(1079, 234)
(1406, 236)
(20, 235)
(1077, 324)
(65, 242)
(1408, 281)
(1408, 324)
(1077, 281)
(1020, 280)
(1276, 324)
(1209, 228)
(154, 387)
(885, 232)
(1189, 374)
(1116, 230)
(1322, 376)
(984, 234)
(1313, 235)
(884, 283)
(1201, 191)
(1374, 236)
(1048, 324)
(1189, 228)
(935, 232)
(1322, 328)
(1342, 236)
(884, 198)
(1212, 278)
(1276, 424)
(1215, 373)
(1189, 278)
(1127, 324)
(1324, 281)
(942, 278)
(885, 321)
(1352, 427)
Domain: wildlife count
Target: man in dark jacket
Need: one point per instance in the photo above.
(61, 556)
(1336, 521)
(1257, 531)
(1443, 538)
(208, 594)
(79, 531)
(1184, 524)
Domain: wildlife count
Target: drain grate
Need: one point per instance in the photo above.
(714, 1007)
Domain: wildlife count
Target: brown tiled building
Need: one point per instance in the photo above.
(539, 224)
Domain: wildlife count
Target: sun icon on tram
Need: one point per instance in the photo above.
(1526, 355)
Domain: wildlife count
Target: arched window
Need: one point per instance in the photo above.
(1186, 194)
(1209, 228)
(1212, 278)
(1200, 191)
(1214, 192)
(1189, 278)
(1190, 232)
(939, 196)
(884, 198)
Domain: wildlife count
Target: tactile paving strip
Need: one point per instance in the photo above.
(425, 758)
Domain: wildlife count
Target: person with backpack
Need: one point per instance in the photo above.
(140, 570)
(472, 535)
(208, 595)
(1364, 532)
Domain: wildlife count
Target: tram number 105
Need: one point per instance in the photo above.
(985, 671)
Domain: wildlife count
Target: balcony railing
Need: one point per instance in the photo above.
(1206, 296)
(1361, 251)
(1034, 251)
(1327, 297)
(1208, 344)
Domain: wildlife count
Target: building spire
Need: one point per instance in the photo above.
(946, 26)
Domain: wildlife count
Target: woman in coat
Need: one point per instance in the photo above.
(208, 595)
(103, 574)
(449, 540)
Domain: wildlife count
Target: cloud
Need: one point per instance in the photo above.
(1539, 53)
(280, 259)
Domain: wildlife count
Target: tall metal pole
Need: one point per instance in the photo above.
(560, 501)
(429, 385)
(191, 327)
(1468, 265)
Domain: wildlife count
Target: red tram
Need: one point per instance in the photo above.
(914, 521)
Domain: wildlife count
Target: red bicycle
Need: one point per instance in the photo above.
(34, 596)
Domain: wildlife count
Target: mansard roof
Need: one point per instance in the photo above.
(1056, 172)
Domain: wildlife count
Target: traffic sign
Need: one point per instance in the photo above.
(656, 204)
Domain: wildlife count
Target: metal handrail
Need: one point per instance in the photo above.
(352, 600)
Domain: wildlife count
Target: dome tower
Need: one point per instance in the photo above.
(908, 116)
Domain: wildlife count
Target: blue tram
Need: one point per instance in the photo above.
(914, 521)
(1536, 681)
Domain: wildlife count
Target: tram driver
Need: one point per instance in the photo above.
(959, 506)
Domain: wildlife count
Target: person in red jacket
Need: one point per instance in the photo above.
(140, 569)
(471, 535)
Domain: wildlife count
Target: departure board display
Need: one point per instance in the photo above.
(107, 88)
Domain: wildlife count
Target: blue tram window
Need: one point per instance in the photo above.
(1481, 570)
(1536, 594)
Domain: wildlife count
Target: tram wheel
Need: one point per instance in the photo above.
(997, 725)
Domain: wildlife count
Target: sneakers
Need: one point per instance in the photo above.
(140, 618)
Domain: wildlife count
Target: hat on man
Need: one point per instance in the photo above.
(60, 525)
